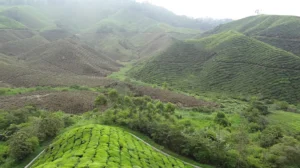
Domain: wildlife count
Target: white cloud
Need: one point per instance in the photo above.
(235, 9)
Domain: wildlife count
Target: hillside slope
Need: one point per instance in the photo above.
(69, 56)
(21, 46)
(280, 31)
(128, 34)
(28, 16)
(226, 62)
(97, 146)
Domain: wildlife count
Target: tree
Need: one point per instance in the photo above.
(159, 106)
(101, 100)
(113, 95)
(270, 136)
(170, 108)
(22, 144)
(285, 154)
(50, 126)
(222, 120)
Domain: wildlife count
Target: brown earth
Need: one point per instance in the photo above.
(73, 102)
(163, 95)
(21, 46)
(55, 34)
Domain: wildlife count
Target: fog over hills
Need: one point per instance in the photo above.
(124, 84)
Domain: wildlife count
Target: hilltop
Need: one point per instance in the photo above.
(102, 146)
(227, 62)
(276, 30)
(25, 17)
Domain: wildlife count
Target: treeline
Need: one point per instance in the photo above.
(23, 130)
(216, 145)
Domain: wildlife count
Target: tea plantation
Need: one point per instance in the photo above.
(96, 146)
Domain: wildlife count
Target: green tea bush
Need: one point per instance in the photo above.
(107, 153)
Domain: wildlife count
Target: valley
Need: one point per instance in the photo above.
(109, 84)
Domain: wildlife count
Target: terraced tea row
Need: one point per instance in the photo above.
(96, 146)
(227, 62)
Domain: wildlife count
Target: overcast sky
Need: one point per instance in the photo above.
(234, 9)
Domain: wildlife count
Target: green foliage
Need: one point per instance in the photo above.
(279, 31)
(101, 146)
(270, 136)
(225, 63)
(113, 95)
(170, 108)
(255, 114)
(50, 126)
(21, 145)
(101, 100)
(264, 25)
(283, 105)
(285, 154)
(221, 119)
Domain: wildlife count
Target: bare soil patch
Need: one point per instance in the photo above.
(73, 102)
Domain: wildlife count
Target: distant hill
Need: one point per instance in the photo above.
(123, 30)
(280, 31)
(226, 62)
(25, 16)
(70, 56)
(103, 146)
(21, 46)
(17, 73)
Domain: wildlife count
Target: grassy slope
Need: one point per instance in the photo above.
(6, 23)
(226, 62)
(130, 34)
(70, 56)
(18, 47)
(26, 15)
(100, 146)
(280, 31)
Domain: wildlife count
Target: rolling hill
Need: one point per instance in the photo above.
(97, 146)
(280, 31)
(128, 34)
(18, 47)
(69, 56)
(26, 16)
(227, 62)
(115, 29)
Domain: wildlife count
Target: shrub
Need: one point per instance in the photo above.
(282, 105)
(113, 95)
(22, 144)
(170, 108)
(270, 136)
(50, 126)
(101, 100)
(2, 91)
(221, 119)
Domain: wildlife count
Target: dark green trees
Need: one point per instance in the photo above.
(222, 120)
(22, 144)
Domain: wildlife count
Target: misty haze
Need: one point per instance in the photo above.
(149, 84)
